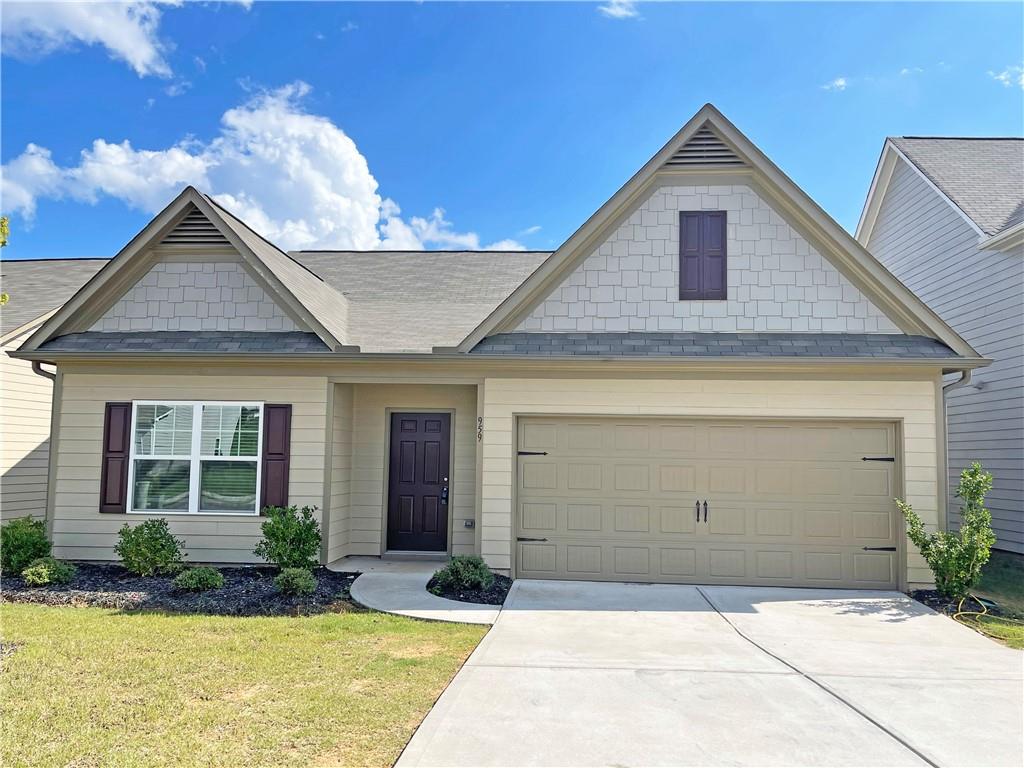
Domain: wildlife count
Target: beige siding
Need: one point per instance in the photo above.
(80, 531)
(908, 403)
(24, 436)
(341, 472)
(372, 403)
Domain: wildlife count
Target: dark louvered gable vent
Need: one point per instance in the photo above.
(195, 230)
(704, 148)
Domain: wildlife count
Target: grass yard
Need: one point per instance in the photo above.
(1002, 580)
(90, 687)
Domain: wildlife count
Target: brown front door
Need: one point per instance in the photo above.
(418, 482)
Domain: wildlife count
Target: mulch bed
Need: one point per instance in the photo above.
(246, 592)
(493, 596)
(949, 606)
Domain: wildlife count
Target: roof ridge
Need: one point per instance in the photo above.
(963, 138)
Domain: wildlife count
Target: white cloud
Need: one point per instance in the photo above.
(295, 177)
(177, 88)
(128, 30)
(619, 9)
(349, 26)
(911, 71)
(530, 230)
(838, 84)
(1011, 75)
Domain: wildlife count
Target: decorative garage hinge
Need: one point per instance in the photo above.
(878, 458)
(532, 453)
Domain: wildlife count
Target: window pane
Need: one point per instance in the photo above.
(161, 484)
(230, 430)
(227, 486)
(163, 430)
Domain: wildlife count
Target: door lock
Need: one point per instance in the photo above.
(444, 493)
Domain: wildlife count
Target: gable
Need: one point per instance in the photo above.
(776, 280)
(830, 241)
(196, 295)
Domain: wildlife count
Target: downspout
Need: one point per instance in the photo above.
(38, 369)
(963, 381)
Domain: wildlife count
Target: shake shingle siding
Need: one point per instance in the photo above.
(929, 246)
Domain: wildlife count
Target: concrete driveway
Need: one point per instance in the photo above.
(586, 674)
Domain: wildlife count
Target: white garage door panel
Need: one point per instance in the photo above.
(789, 504)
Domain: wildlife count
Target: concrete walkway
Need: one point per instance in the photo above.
(584, 674)
(400, 586)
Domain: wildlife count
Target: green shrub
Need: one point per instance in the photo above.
(149, 549)
(291, 539)
(956, 557)
(22, 540)
(465, 572)
(295, 581)
(48, 570)
(199, 579)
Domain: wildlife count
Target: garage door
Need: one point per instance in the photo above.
(791, 504)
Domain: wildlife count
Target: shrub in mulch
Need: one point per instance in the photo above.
(492, 595)
(247, 591)
(950, 605)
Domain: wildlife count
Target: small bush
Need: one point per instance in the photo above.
(291, 539)
(295, 581)
(48, 570)
(956, 557)
(199, 579)
(149, 549)
(21, 541)
(465, 572)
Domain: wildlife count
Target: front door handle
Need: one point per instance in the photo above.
(705, 510)
(444, 493)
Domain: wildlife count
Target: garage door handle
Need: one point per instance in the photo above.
(527, 538)
(879, 549)
(705, 510)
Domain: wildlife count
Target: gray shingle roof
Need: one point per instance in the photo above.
(401, 301)
(188, 341)
(641, 344)
(37, 286)
(983, 177)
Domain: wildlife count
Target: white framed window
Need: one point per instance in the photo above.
(195, 457)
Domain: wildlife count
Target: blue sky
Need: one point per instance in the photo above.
(461, 125)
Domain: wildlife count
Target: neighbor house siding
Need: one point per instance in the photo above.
(341, 472)
(911, 404)
(934, 251)
(24, 436)
(81, 531)
(776, 281)
(369, 451)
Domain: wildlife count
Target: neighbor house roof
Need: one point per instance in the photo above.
(36, 287)
(403, 301)
(643, 344)
(984, 177)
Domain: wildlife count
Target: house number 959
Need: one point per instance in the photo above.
(479, 429)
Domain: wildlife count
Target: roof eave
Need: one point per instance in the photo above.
(1007, 240)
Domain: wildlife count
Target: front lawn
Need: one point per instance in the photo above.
(89, 686)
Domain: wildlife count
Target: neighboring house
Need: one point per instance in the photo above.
(710, 381)
(946, 216)
(36, 289)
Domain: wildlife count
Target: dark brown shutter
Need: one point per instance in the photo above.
(703, 263)
(117, 424)
(277, 451)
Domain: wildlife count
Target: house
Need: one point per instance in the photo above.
(710, 381)
(946, 216)
(36, 288)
